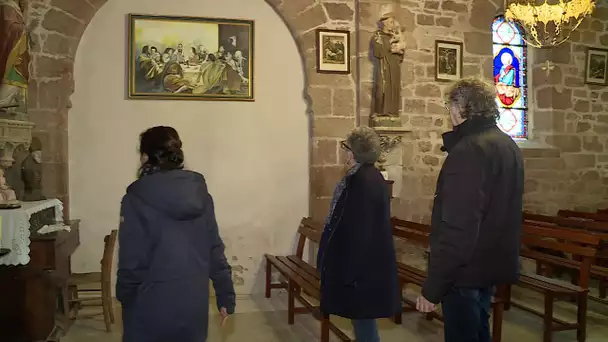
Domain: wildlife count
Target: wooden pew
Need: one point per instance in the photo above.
(600, 268)
(577, 243)
(301, 277)
(583, 215)
(419, 234)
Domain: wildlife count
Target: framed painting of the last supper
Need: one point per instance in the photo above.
(187, 58)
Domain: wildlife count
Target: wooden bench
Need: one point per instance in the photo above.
(599, 269)
(600, 217)
(577, 243)
(419, 234)
(301, 277)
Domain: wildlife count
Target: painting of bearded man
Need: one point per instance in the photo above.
(14, 55)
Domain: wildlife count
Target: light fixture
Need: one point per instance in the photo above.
(548, 23)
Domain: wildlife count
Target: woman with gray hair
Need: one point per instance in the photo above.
(357, 254)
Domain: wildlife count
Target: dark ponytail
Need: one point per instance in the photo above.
(163, 147)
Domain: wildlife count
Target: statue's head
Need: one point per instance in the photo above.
(36, 150)
(387, 17)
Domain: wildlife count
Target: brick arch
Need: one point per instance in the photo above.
(56, 27)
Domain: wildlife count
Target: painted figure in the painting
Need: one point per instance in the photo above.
(148, 64)
(389, 49)
(506, 77)
(174, 80)
(14, 56)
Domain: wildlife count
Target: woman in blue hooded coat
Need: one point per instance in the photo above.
(169, 248)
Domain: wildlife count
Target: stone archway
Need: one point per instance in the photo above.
(56, 27)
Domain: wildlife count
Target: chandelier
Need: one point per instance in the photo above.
(548, 23)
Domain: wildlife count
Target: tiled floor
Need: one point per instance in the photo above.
(261, 320)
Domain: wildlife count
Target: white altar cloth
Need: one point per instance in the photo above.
(16, 229)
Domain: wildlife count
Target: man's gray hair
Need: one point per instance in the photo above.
(364, 143)
(474, 97)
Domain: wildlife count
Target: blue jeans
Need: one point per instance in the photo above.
(366, 330)
(466, 314)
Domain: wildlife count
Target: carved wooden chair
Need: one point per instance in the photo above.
(95, 283)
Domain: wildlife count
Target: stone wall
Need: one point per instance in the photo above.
(564, 166)
(55, 27)
(571, 116)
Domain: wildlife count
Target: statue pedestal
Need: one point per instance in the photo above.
(13, 134)
(390, 137)
(379, 121)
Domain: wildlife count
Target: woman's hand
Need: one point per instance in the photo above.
(224, 315)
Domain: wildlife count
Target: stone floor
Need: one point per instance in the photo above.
(262, 320)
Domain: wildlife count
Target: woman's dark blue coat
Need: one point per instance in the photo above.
(169, 249)
(357, 253)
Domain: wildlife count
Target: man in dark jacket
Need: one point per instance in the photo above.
(357, 254)
(477, 215)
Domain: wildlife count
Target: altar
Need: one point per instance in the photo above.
(35, 270)
(15, 228)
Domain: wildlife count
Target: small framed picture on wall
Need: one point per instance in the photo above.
(333, 51)
(448, 60)
(596, 67)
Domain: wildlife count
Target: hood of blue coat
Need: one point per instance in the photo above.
(181, 195)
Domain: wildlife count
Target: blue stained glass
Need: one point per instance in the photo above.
(510, 77)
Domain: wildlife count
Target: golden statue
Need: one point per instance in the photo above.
(14, 57)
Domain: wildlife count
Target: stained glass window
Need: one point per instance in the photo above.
(510, 77)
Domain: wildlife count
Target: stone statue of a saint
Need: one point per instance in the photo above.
(388, 48)
(31, 173)
(14, 59)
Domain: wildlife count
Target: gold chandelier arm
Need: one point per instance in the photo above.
(558, 20)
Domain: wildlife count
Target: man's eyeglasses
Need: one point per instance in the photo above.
(344, 146)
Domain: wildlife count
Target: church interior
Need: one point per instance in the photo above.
(263, 119)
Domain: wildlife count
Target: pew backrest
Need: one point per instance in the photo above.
(583, 215)
(546, 244)
(417, 233)
(579, 223)
(311, 230)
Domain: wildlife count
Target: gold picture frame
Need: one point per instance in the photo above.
(190, 58)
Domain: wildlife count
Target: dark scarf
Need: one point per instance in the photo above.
(469, 127)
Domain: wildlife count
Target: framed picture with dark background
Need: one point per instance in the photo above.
(333, 51)
(190, 58)
(448, 60)
(596, 66)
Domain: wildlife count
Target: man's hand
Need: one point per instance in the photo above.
(224, 315)
(424, 306)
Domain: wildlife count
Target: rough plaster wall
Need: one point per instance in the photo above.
(259, 187)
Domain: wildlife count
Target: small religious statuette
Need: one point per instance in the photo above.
(31, 173)
(14, 59)
(388, 44)
(8, 198)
